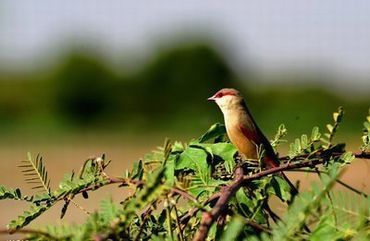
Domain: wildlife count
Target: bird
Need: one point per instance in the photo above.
(243, 131)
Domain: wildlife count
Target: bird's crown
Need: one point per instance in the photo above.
(225, 92)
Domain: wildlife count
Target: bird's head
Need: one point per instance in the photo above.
(227, 99)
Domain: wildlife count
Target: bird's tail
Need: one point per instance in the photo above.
(273, 162)
(294, 190)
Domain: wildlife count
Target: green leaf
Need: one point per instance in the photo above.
(366, 134)
(214, 132)
(347, 157)
(15, 194)
(295, 148)
(153, 189)
(305, 205)
(280, 188)
(154, 156)
(169, 172)
(89, 176)
(335, 116)
(108, 210)
(195, 159)
(227, 152)
(367, 125)
(177, 147)
(325, 140)
(35, 173)
(243, 202)
(315, 134)
(330, 128)
(233, 229)
(27, 217)
(325, 229)
(137, 171)
(224, 150)
(281, 133)
(304, 142)
(339, 115)
(200, 190)
(249, 206)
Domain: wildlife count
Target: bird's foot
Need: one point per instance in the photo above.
(248, 165)
(239, 160)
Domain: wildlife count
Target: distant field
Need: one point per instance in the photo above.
(68, 153)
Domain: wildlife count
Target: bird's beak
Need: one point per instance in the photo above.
(211, 98)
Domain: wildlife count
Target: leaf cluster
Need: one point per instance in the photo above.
(174, 188)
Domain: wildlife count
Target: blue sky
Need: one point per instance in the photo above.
(269, 35)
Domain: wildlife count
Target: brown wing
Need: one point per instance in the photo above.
(257, 137)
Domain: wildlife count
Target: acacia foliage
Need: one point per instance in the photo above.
(175, 187)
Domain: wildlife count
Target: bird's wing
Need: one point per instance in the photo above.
(250, 134)
(256, 136)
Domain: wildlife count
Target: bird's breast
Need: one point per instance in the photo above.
(245, 145)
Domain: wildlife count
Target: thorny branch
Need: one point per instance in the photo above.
(31, 231)
(208, 218)
(222, 197)
(226, 193)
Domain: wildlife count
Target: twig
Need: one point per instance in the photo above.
(183, 194)
(338, 181)
(30, 231)
(352, 188)
(145, 217)
(168, 218)
(79, 207)
(359, 155)
(305, 163)
(220, 224)
(257, 226)
(283, 167)
(185, 218)
(272, 214)
(181, 236)
(126, 181)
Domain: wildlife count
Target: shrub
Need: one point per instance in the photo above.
(202, 190)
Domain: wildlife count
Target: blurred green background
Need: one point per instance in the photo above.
(78, 80)
(147, 69)
(81, 91)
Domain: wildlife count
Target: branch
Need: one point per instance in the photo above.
(362, 155)
(184, 194)
(186, 217)
(283, 167)
(226, 193)
(126, 181)
(145, 217)
(306, 163)
(359, 155)
(338, 181)
(208, 218)
(257, 226)
(30, 231)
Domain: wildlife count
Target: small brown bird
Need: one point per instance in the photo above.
(243, 131)
(241, 128)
